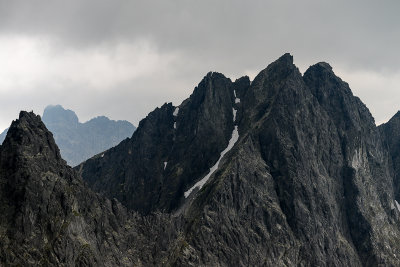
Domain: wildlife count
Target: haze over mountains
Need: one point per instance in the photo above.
(284, 170)
(80, 141)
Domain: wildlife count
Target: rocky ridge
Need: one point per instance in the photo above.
(80, 141)
(50, 218)
(308, 180)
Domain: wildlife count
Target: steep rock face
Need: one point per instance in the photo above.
(308, 183)
(80, 141)
(304, 185)
(391, 132)
(172, 148)
(50, 218)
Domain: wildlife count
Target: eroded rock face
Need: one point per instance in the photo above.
(172, 147)
(49, 217)
(391, 132)
(309, 182)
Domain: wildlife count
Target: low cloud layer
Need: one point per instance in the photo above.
(123, 58)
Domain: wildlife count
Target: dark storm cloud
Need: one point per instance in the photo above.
(361, 32)
(359, 38)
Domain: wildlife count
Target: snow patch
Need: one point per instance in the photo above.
(176, 111)
(174, 125)
(397, 205)
(232, 141)
(165, 164)
(237, 100)
(102, 155)
(358, 159)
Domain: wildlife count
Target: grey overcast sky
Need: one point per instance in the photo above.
(123, 58)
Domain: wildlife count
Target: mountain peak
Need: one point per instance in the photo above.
(28, 137)
(56, 114)
(320, 68)
(285, 58)
(282, 67)
(396, 116)
(324, 65)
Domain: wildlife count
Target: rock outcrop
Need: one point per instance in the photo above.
(81, 141)
(309, 182)
(172, 147)
(391, 132)
(50, 218)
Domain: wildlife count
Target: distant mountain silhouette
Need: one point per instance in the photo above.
(3, 135)
(80, 141)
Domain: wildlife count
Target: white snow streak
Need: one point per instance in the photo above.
(397, 205)
(176, 111)
(199, 184)
(232, 141)
(174, 125)
(237, 100)
(165, 164)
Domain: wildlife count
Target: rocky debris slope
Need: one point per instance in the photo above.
(309, 181)
(50, 218)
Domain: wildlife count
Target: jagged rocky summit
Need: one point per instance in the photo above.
(286, 170)
(50, 218)
(80, 141)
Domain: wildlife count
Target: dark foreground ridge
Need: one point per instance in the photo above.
(49, 217)
(81, 141)
(300, 176)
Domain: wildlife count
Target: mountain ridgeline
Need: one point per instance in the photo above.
(80, 141)
(286, 170)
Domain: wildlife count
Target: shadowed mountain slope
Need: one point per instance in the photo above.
(49, 217)
(309, 181)
(288, 170)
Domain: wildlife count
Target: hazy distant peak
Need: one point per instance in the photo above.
(57, 114)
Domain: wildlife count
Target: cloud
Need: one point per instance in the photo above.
(34, 74)
(143, 53)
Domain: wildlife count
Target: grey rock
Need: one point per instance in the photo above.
(133, 172)
(391, 133)
(311, 181)
(50, 218)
